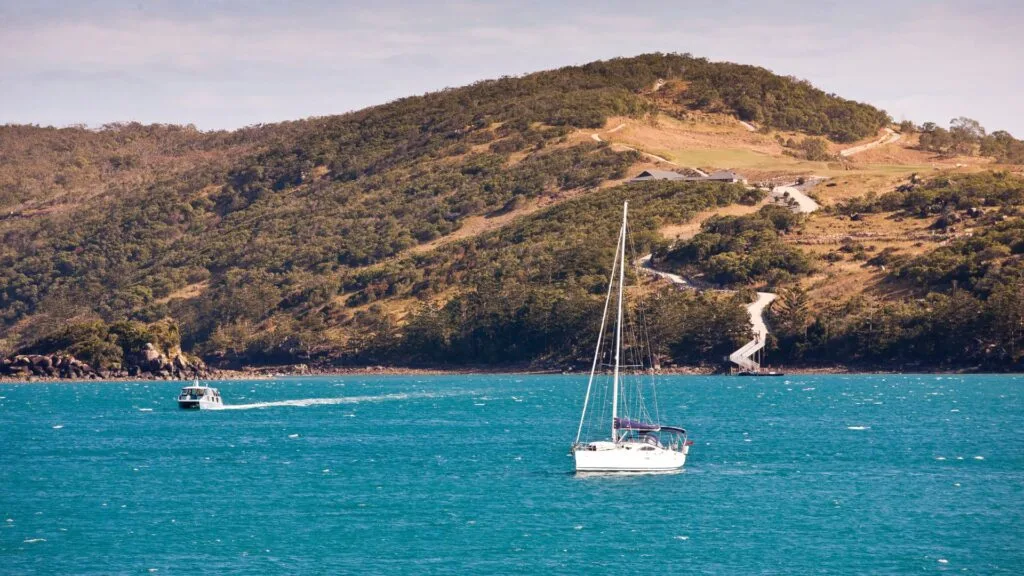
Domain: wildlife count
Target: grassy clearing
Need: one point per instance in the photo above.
(185, 293)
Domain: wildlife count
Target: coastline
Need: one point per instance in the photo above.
(271, 372)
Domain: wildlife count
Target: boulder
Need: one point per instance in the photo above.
(147, 363)
(18, 370)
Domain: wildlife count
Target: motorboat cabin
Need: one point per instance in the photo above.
(199, 397)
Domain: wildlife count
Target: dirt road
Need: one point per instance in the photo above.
(890, 137)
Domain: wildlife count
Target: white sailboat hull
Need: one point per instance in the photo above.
(634, 446)
(627, 457)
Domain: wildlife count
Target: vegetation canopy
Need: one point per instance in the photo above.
(473, 225)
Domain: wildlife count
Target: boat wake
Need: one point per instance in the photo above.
(304, 402)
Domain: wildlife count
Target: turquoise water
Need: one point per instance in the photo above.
(471, 475)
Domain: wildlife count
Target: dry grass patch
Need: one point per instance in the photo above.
(827, 231)
(476, 225)
(839, 281)
(688, 230)
(852, 184)
(186, 293)
(667, 136)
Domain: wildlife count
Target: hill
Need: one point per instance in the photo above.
(467, 226)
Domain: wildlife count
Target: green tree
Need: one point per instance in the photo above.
(965, 134)
(816, 149)
(792, 310)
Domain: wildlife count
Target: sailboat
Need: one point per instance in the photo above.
(637, 443)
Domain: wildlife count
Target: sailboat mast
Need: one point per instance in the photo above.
(597, 349)
(618, 322)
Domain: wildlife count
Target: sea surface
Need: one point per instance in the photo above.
(887, 474)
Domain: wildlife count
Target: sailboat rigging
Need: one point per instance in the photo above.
(637, 442)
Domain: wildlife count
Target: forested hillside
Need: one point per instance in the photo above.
(960, 303)
(328, 239)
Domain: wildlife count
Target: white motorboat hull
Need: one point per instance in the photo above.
(627, 457)
(202, 404)
(198, 397)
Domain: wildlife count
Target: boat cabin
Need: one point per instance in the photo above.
(198, 393)
(198, 397)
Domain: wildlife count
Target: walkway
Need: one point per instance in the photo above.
(890, 137)
(677, 280)
(596, 137)
(804, 203)
(744, 356)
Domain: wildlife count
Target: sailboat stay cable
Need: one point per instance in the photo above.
(618, 324)
(597, 349)
(642, 316)
(637, 444)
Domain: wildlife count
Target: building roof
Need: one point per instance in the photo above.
(721, 176)
(724, 175)
(659, 175)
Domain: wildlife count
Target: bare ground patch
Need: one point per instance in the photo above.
(690, 229)
(185, 293)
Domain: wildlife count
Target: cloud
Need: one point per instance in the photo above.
(241, 62)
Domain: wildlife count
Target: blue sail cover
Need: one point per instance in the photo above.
(627, 424)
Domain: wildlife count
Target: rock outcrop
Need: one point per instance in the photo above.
(149, 363)
(47, 366)
(174, 364)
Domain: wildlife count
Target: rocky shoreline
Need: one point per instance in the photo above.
(158, 370)
(148, 364)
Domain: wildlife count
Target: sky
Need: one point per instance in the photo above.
(222, 64)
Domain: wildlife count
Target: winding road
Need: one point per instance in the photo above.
(645, 265)
(890, 137)
(744, 356)
(804, 203)
(596, 137)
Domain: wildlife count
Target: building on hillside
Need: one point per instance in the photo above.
(658, 175)
(720, 176)
(726, 176)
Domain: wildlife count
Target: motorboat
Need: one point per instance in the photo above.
(199, 397)
(636, 442)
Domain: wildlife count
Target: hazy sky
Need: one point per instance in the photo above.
(228, 63)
